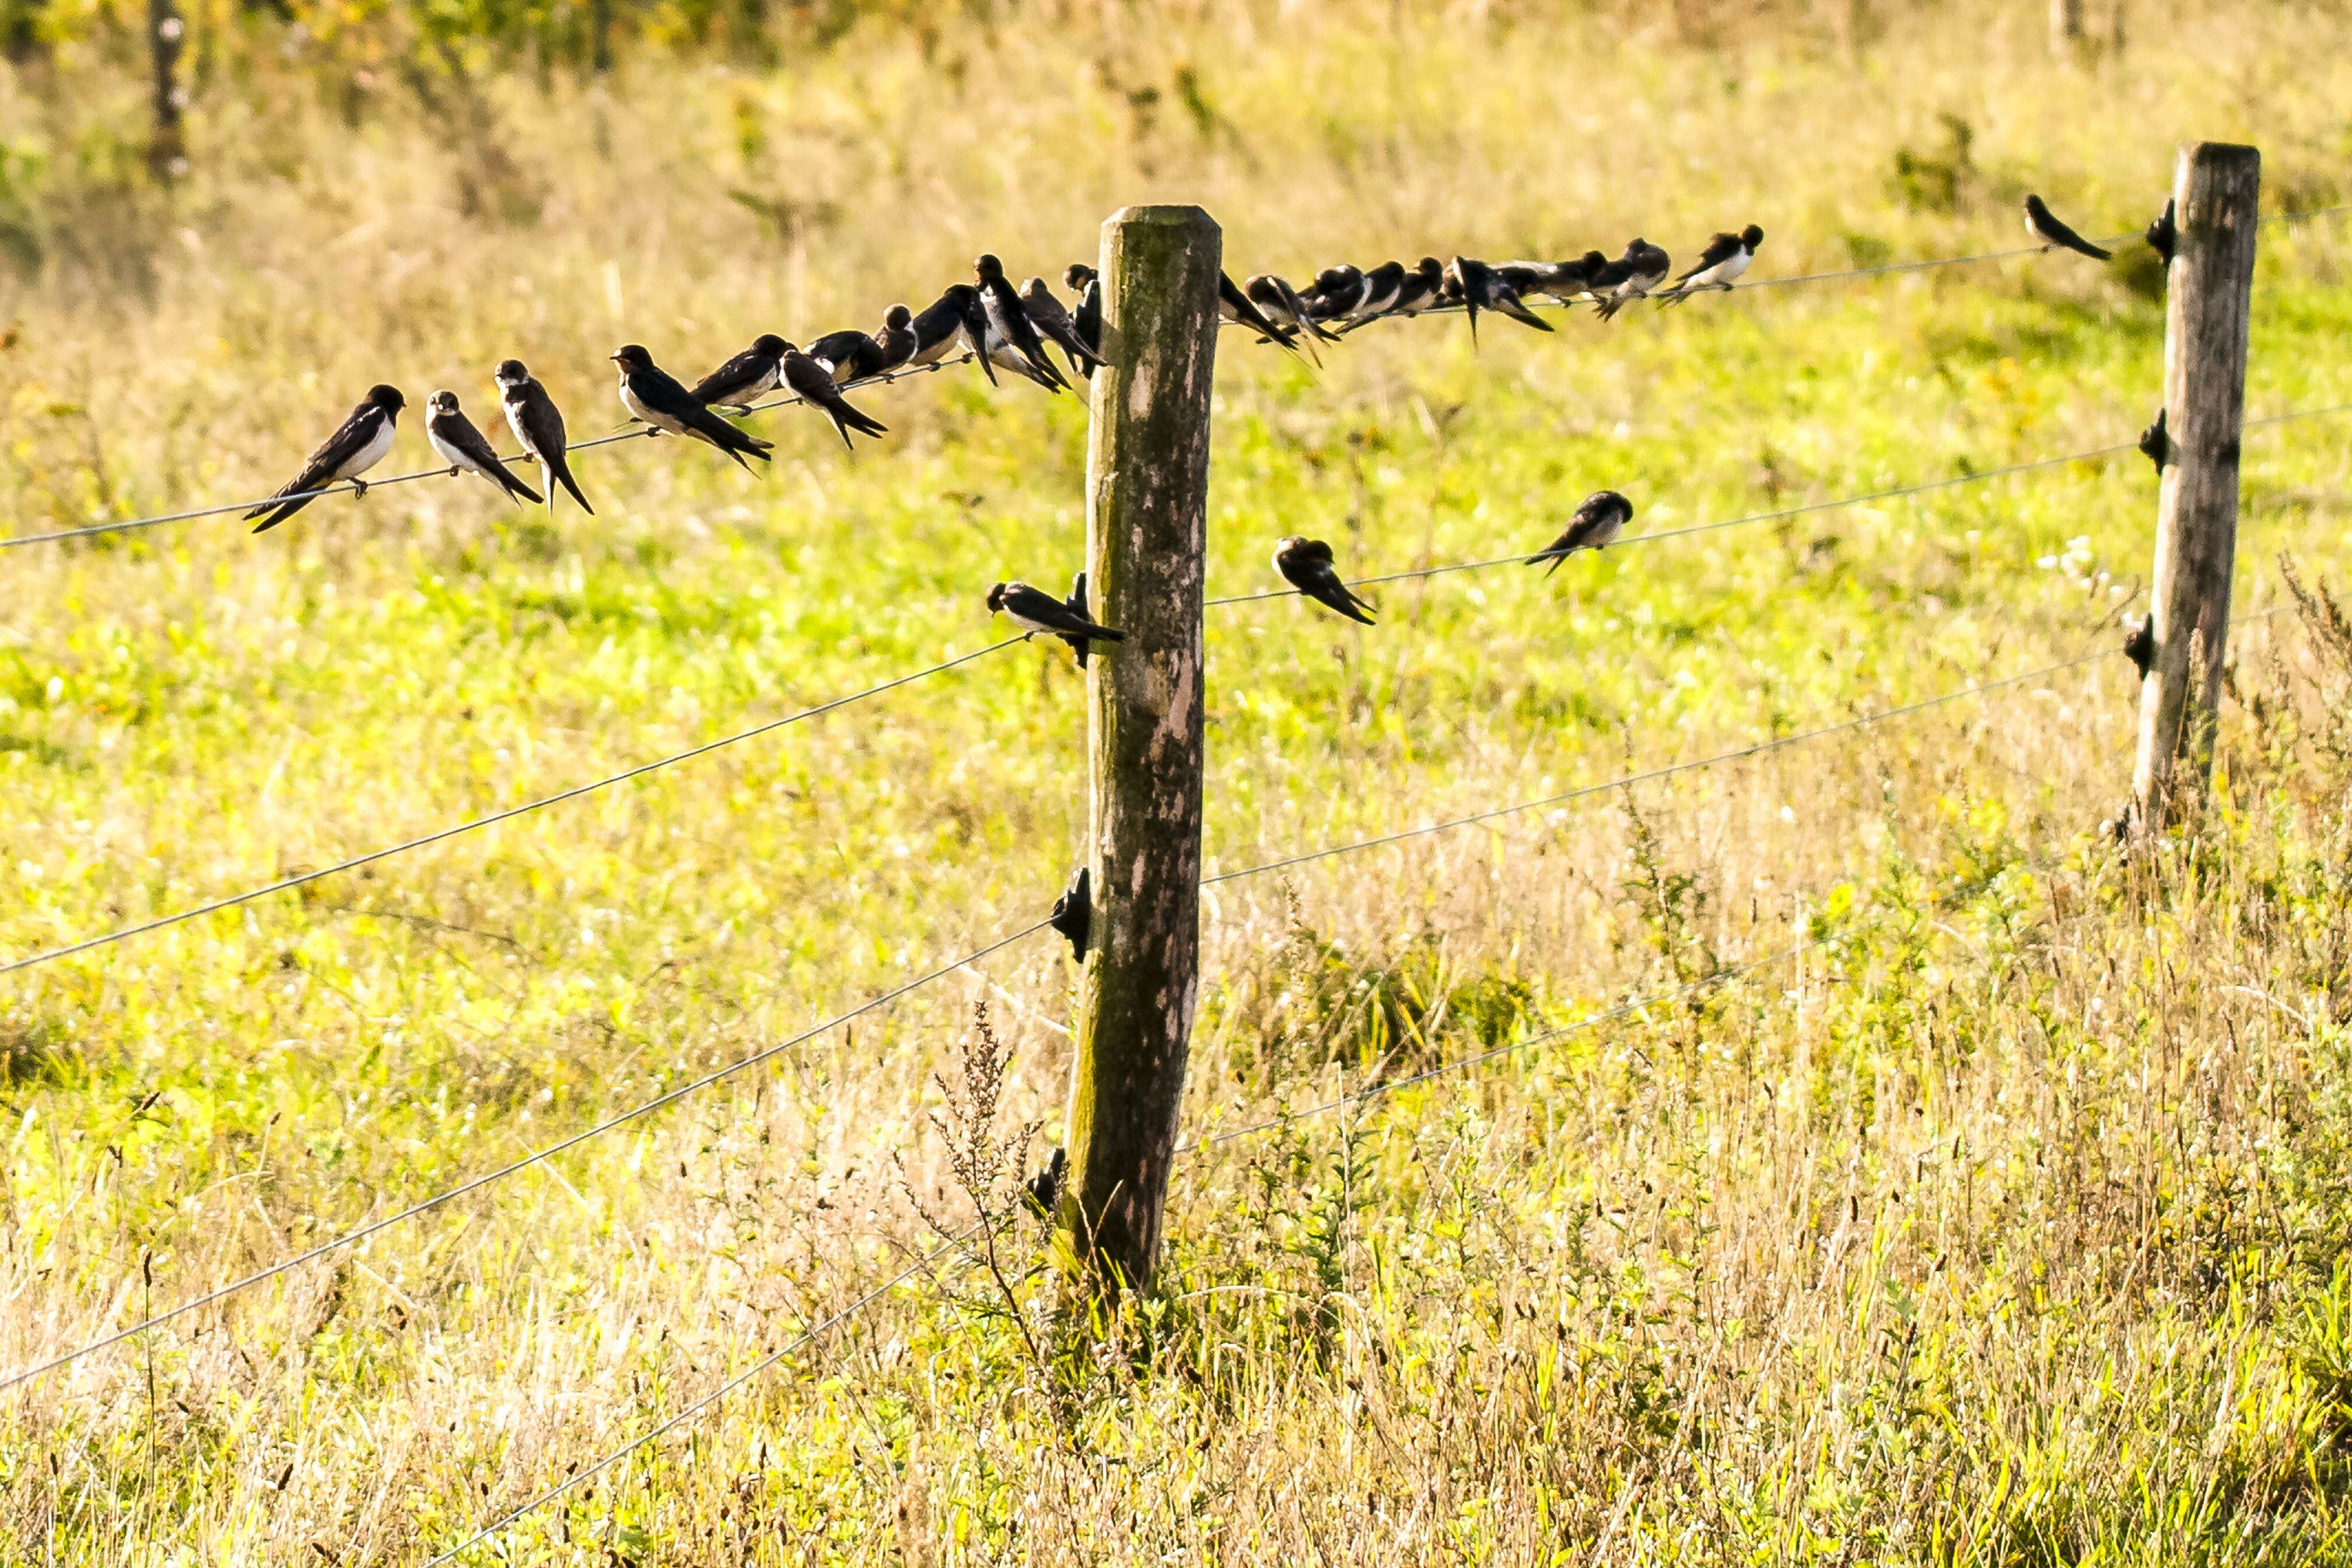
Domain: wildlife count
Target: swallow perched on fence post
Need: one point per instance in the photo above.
(1009, 321)
(1082, 280)
(1052, 323)
(737, 383)
(537, 423)
(1044, 1190)
(1642, 269)
(1596, 524)
(2163, 234)
(2044, 226)
(359, 444)
(1720, 265)
(452, 435)
(653, 396)
(1033, 611)
(1306, 564)
(1074, 913)
(1076, 605)
(813, 381)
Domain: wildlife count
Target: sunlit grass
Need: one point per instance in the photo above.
(2002, 1227)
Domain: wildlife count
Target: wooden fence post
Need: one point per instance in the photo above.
(2209, 292)
(1146, 529)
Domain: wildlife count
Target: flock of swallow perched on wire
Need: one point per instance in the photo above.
(1016, 329)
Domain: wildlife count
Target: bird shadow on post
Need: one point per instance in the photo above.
(2209, 290)
(1147, 512)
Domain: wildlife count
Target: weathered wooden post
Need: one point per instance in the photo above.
(1147, 527)
(2209, 299)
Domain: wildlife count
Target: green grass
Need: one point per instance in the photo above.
(2004, 1226)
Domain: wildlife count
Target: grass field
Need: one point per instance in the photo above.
(2002, 1224)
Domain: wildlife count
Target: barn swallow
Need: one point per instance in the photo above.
(1480, 289)
(453, 436)
(2044, 226)
(1008, 320)
(1074, 913)
(1045, 1188)
(954, 320)
(1004, 356)
(1306, 564)
(1082, 281)
(653, 396)
(1052, 321)
(1642, 269)
(2163, 234)
(814, 381)
(1726, 256)
(1280, 301)
(849, 354)
(1076, 605)
(358, 445)
(737, 383)
(1239, 307)
(1338, 291)
(536, 422)
(1596, 525)
(1033, 611)
(1564, 282)
(895, 344)
(1418, 289)
(1383, 284)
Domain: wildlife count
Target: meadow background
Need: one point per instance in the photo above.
(2003, 1225)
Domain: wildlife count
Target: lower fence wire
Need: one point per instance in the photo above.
(537, 1157)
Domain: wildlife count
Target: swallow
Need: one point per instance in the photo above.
(1726, 256)
(1565, 281)
(1234, 305)
(737, 383)
(1053, 321)
(1076, 605)
(1008, 320)
(1642, 269)
(358, 445)
(1005, 357)
(1381, 286)
(1306, 564)
(2156, 443)
(1280, 302)
(1596, 525)
(815, 382)
(2043, 225)
(536, 422)
(1479, 289)
(895, 344)
(1045, 1188)
(2163, 234)
(849, 354)
(1033, 611)
(453, 436)
(1082, 280)
(948, 322)
(1338, 291)
(2139, 646)
(653, 396)
(1418, 289)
